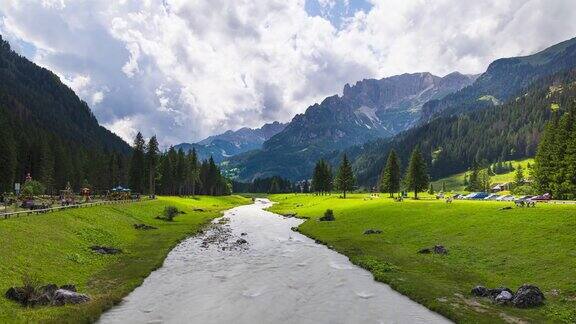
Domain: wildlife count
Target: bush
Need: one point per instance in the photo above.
(524, 190)
(169, 213)
(328, 216)
(32, 188)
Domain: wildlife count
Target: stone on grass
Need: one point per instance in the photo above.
(439, 249)
(480, 291)
(372, 231)
(528, 296)
(63, 297)
(46, 295)
(504, 297)
(105, 249)
(69, 287)
(144, 227)
(425, 251)
(493, 293)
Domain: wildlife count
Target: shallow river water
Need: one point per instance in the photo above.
(277, 276)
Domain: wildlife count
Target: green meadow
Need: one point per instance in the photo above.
(487, 246)
(54, 248)
(455, 183)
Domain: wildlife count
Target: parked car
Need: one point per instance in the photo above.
(544, 197)
(506, 198)
(524, 198)
(492, 197)
(477, 195)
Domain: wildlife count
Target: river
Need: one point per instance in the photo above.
(277, 276)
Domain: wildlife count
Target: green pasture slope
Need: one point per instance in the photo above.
(455, 183)
(54, 248)
(487, 246)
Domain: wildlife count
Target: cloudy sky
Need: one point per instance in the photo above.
(186, 69)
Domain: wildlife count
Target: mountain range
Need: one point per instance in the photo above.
(375, 109)
(232, 143)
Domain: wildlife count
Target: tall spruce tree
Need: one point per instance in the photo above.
(322, 177)
(416, 178)
(545, 165)
(390, 179)
(138, 164)
(345, 177)
(152, 163)
(194, 171)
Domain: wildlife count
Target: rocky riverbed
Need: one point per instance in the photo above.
(250, 267)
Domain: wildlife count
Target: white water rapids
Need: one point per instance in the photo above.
(278, 276)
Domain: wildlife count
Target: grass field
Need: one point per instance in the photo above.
(455, 183)
(488, 246)
(54, 248)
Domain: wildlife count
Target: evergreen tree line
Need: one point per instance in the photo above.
(274, 184)
(555, 169)
(323, 181)
(322, 178)
(48, 132)
(173, 172)
(416, 178)
(452, 144)
(56, 162)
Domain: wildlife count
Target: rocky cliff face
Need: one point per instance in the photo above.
(369, 109)
(366, 110)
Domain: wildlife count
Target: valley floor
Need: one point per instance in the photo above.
(54, 248)
(487, 246)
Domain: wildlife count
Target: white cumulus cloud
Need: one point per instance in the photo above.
(187, 69)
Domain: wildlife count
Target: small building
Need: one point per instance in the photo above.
(500, 187)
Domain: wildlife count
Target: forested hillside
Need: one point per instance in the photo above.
(503, 79)
(47, 131)
(452, 144)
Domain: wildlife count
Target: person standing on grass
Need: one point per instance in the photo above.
(416, 178)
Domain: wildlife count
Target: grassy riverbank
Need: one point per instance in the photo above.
(488, 246)
(54, 248)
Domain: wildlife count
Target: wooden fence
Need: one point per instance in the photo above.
(7, 215)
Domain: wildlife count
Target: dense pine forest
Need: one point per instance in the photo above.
(48, 132)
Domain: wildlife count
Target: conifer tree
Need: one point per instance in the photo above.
(519, 176)
(137, 164)
(545, 166)
(152, 162)
(193, 171)
(390, 179)
(345, 177)
(416, 178)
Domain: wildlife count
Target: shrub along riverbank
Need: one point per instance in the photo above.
(55, 248)
(486, 246)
